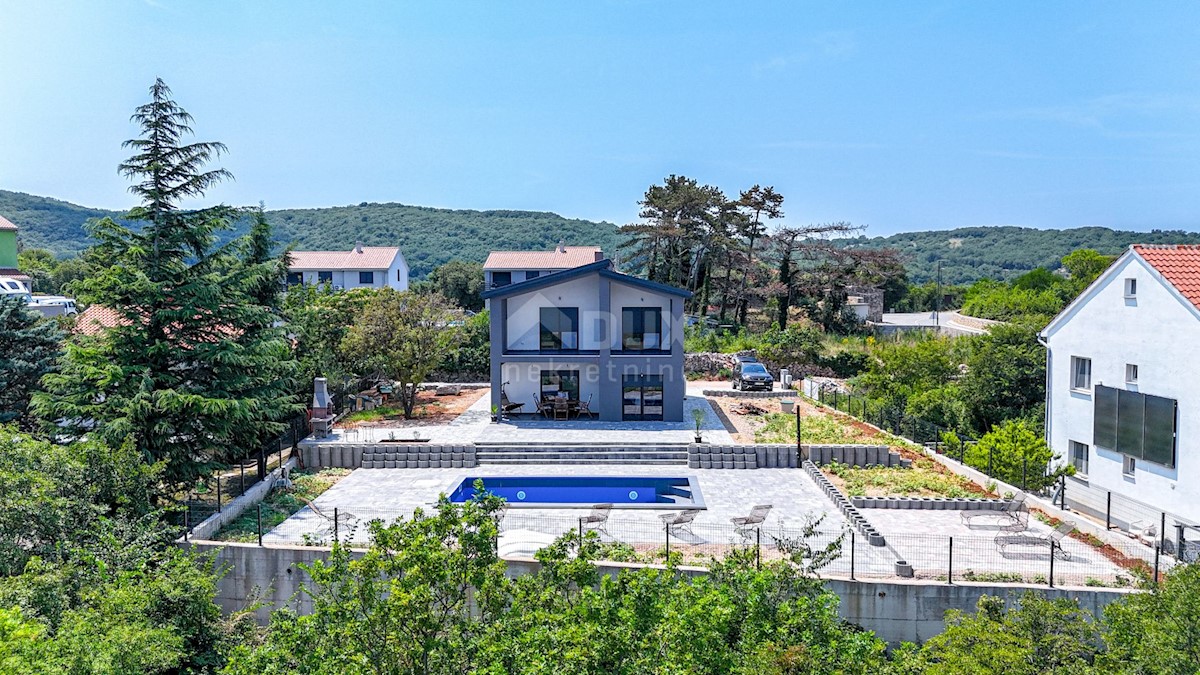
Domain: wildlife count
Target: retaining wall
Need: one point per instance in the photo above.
(737, 393)
(858, 520)
(856, 455)
(930, 503)
(896, 610)
(387, 455)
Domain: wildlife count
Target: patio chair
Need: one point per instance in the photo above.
(541, 408)
(507, 406)
(585, 409)
(1013, 515)
(746, 524)
(343, 518)
(679, 522)
(598, 518)
(562, 409)
(1052, 539)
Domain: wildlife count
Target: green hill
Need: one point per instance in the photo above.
(970, 253)
(427, 236)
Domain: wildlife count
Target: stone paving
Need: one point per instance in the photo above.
(475, 425)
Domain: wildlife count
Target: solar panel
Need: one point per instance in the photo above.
(1159, 443)
(1104, 418)
(1131, 412)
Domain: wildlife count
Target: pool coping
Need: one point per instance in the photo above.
(693, 485)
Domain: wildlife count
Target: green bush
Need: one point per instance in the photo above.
(1014, 453)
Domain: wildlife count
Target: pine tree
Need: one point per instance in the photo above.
(195, 371)
(29, 346)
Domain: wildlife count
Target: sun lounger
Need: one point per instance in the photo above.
(1052, 539)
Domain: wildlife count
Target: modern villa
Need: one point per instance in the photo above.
(360, 267)
(1122, 403)
(587, 341)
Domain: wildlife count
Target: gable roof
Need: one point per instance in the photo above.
(566, 258)
(371, 258)
(1179, 265)
(6, 225)
(601, 267)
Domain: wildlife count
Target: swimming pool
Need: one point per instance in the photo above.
(564, 492)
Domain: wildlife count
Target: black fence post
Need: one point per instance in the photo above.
(242, 469)
(1108, 511)
(1024, 473)
(335, 525)
(667, 528)
(581, 532)
(1157, 550)
(852, 555)
(259, 521)
(1162, 529)
(990, 452)
(950, 563)
(1062, 492)
(218, 493)
(758, 548)
(1053, 546)
(187, 526)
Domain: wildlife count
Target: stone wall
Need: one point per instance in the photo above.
(387, 455)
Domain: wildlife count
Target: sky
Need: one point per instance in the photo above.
(895, 116)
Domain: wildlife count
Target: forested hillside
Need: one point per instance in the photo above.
(970, 253)
(428, 236)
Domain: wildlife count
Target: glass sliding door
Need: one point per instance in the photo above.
(642, 397)
(560, 382)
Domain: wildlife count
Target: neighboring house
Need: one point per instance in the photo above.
(599, 336)
(361, 267)
(512, 267)
(8, 254)
(1123, 380)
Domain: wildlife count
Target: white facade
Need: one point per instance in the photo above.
(362, 267)
(1147, 341)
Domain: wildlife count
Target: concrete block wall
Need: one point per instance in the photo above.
(930, 503)
(759, 456)
(857, 519)
(387, 455)
(856, 455)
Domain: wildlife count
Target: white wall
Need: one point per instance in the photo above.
(524, 312)
(348, 279)
(623, 295)
(525, 381)
(399, 269)
(1160, 334)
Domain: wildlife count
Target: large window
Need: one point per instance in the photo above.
(560, 383)
(560, 328)
(1079, 457)
(366, 278)
(295, 278)
(501, 279)
(324, 277)
(641, 328)
(1135, 424)
(1081, 373)
(532, 274)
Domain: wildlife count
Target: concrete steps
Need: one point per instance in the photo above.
(565, 453)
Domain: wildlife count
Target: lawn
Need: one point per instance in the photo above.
(918, 481)
(281, 504)
(822, 429)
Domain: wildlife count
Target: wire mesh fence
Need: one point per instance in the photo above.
(999, 555)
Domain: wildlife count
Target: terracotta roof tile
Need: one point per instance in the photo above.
(371, 258)
(1178, 263)
(6, 224)
(565, 259)
(96, 318)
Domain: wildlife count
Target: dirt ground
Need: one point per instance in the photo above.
(430, 410)
(746, 425)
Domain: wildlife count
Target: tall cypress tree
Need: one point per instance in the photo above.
(195, 372)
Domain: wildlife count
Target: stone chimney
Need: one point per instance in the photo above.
(358, 246)
(562, 245)
(599, 256)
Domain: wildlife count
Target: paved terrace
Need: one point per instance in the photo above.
(475, 425)
(920, 537)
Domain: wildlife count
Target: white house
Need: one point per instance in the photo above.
(361, 267)
(1123, 380)
(511, 267)
(589, 335)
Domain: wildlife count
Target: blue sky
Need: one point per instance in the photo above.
(899, 116)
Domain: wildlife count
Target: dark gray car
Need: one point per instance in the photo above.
(753, 375)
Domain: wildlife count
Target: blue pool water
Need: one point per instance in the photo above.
(567, 491)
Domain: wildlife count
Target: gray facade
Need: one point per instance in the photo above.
(604, 367)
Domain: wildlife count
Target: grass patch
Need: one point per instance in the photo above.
(279, 505)
(383, 412)
(879, 481)
(822, 429)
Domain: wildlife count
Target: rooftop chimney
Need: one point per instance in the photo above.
(562, 245)
(599, 255)
(358, 247)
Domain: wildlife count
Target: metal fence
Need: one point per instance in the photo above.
(223, 486)
(993, 555)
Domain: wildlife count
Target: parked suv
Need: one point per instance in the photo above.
(752, 375)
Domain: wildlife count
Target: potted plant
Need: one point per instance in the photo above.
(495, 413)
(698, 416)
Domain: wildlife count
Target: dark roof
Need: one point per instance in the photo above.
(602, 267)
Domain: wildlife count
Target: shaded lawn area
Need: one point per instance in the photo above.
(280, 504)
